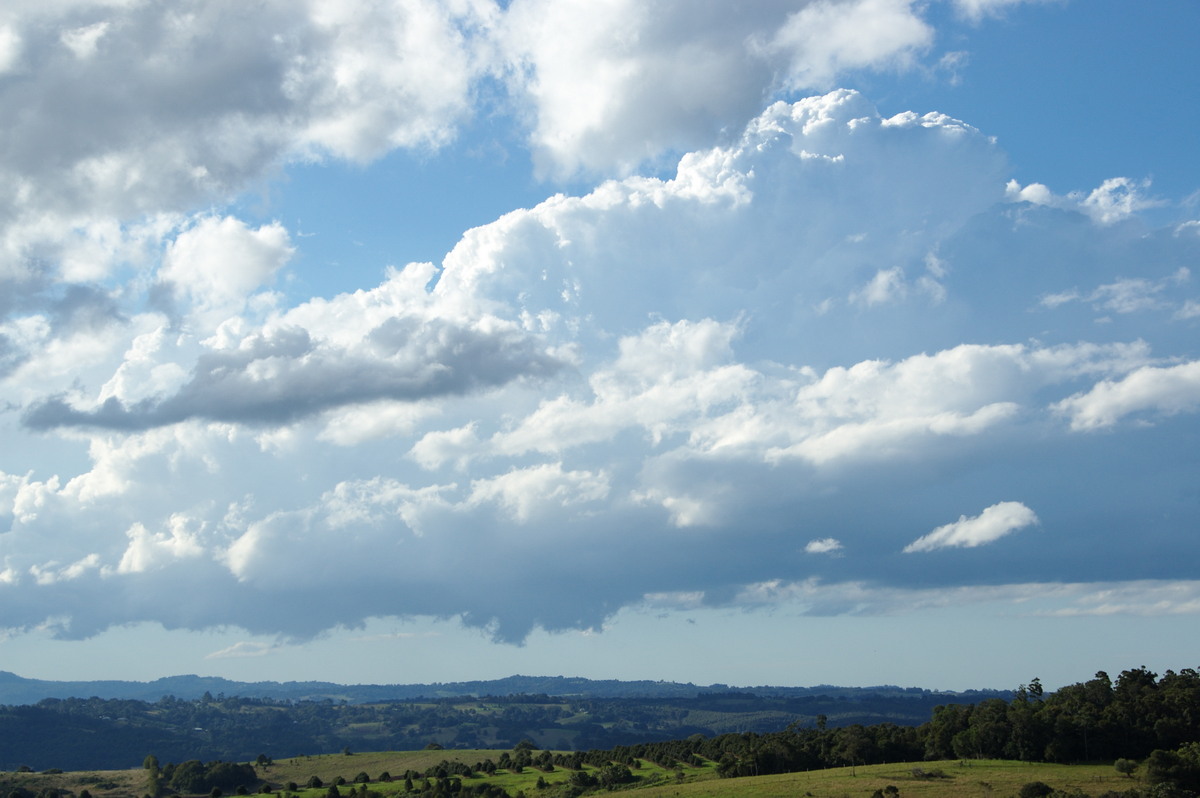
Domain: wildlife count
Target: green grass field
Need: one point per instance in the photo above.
(328, 767)
(982, 778)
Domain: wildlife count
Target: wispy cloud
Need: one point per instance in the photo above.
(244, 649)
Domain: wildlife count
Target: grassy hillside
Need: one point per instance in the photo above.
(329, 767)
(954, 779)
(982, 779)
(110, 783)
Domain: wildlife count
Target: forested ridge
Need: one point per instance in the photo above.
(75, 733)
(16, 689)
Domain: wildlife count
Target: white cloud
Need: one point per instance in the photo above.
(1114, 200)
(992, 524)
(190, 103)
(84, 41)
(1145, 598)
(1138, 597)
(529, 491)
(668, 372)
(147, 550)
(360, 423)
(976, 10)
(825, 39)
(1166, 390)
(10, 48)
(242, 649)
(823, 546)
(886, 286)
(1128, 295)
(442, 446)
(218, 263)
(614, 83)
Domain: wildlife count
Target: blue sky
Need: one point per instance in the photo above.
(804, 342)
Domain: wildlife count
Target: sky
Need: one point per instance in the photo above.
(791, 342)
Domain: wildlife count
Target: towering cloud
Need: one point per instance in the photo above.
(826, 332)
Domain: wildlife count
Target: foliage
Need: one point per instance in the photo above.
(1179, 768)
(193, 776)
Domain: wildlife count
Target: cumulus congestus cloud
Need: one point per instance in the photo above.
(755, 380)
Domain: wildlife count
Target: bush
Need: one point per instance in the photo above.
(615, 774)
(1035, 789)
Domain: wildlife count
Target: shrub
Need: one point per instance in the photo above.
(1035, 789)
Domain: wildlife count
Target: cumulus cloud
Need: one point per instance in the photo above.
(217, 263)
(283, 375)
(825, 39)
(1165, 390)
(359, 349)
(823, 546)
(191, 104)
(611, 84)
(680, 388)
(1114, 200)
(992, 524)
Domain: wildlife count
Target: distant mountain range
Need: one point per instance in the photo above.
(18, 690)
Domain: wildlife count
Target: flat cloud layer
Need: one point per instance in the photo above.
(825, 336)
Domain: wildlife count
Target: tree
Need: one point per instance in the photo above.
(153, 773)
(1179, 768)
(1125, 767)
(614, 774)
